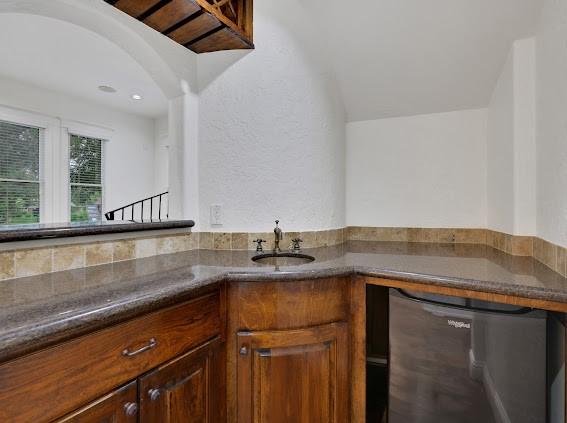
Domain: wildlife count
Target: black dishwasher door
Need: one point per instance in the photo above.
(455, 360)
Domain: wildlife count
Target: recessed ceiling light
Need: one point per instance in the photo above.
(136, 97)
(106, 89)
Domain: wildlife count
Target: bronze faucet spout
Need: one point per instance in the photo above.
(278, 236)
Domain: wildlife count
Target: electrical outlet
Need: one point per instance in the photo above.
(216, 214)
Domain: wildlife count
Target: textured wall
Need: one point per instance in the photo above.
(551, 88)
(271, 130)
(418, 171)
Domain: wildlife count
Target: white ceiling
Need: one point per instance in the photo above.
(409, 57)
(69, 59)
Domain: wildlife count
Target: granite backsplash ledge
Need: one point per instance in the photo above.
(27, 232)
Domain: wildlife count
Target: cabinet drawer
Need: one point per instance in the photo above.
(289, 305)
(50, 383)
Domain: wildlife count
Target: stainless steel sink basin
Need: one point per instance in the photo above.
(282, 259)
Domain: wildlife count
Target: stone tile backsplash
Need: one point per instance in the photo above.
(7, 265)
(34, 261)
(551, 255)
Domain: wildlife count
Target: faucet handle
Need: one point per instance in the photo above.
(259, 247)
(295, 242)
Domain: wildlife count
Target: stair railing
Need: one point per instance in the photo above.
(121, 212)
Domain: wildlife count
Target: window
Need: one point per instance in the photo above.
(85, 174)
(51, 169)
(19, 173)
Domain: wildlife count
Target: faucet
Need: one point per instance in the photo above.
(295, 247)
(278, 236)
(259, 242)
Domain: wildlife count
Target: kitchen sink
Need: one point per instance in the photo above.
(283, 259)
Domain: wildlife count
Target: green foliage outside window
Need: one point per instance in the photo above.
(85, 171)
(19, 174)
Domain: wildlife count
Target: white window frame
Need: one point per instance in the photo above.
(47, 146)
(68, 128)
(54, 179)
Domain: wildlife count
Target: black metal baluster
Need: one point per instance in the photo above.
(111, 214)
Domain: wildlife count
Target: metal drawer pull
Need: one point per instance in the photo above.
(152, 344)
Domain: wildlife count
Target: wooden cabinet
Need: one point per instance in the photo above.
(188, 389)
(120, 406)
(62, 378)
(296, 376)
(289, 351)
(43, 386)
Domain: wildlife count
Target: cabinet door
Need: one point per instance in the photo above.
(119, 406)
(297, 376)
(188, 389)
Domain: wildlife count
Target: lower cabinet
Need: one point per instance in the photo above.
(298, 375)
(56, 381)
(187, 389)
(120, 406)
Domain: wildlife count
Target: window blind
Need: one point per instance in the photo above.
(85, 172)
(19, 173)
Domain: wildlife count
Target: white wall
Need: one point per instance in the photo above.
(511, 144)
(500, 152)
(271, 129)
(169, 64)
(411, 57)
(161, 159)
(551, 88)
(129, 162)
(525, 162)
(417, 171)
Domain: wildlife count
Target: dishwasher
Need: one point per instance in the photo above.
(459, 360)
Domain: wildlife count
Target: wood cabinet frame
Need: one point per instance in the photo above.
(323, 351)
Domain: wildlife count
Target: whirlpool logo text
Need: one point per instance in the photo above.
(459, 325)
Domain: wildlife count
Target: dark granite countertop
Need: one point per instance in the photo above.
(11, 233)
(38, 311)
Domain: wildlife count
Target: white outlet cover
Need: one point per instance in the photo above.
(216, 214)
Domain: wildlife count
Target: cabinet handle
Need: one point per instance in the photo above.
(154, 394)
(243, 350)
(152, 343)
(130, 409)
